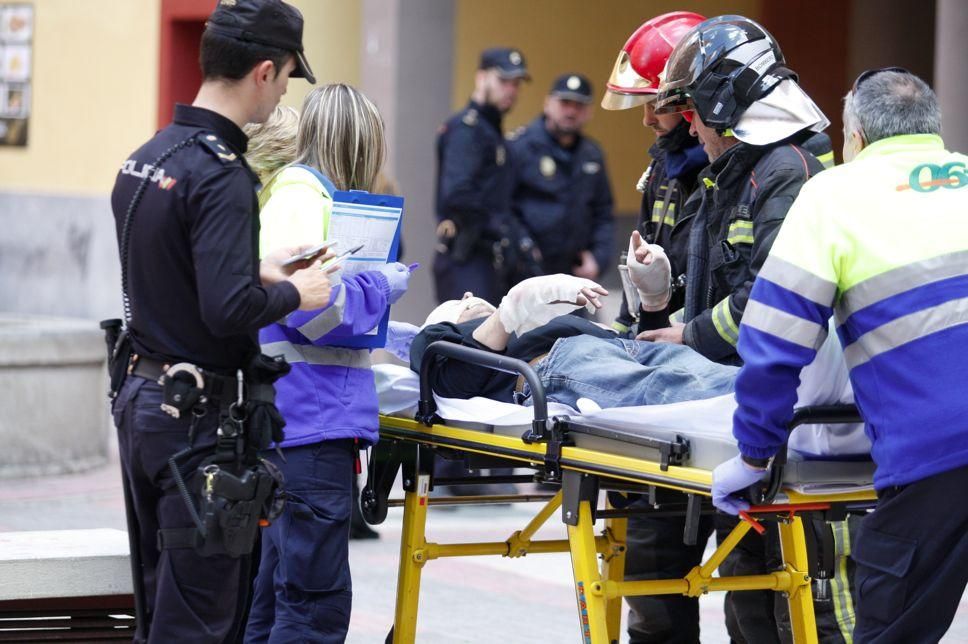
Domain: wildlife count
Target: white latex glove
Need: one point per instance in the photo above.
(400, 336)
(650, 272)
(536, 301)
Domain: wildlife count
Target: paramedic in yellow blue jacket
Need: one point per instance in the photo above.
(303, 590)
(880, 243)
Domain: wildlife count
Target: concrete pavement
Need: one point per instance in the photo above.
(475, 599)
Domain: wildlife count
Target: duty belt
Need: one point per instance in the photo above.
(216, 387)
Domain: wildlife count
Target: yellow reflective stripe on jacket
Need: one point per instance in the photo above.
(840, 582)
(679, 317)
(670, 214)
(619, 327)
(827, 160)
(725, 325)
(740, 232)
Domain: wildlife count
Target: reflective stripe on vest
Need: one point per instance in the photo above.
(725, 324)
(325, 356)
(327, 319)
(670, 215)
(740, 232)
(906, 329)
(787, 326)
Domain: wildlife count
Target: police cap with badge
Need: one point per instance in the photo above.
(266, 22)
(572, 87)
(506, 61)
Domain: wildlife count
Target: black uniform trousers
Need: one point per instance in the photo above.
(656, 551)
(912, 561)
(189, 598)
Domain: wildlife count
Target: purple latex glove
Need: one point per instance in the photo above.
(400, 336)
(733, 476)
(398, 276)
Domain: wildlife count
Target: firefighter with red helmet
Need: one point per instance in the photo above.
(677, 157)
(655, 544)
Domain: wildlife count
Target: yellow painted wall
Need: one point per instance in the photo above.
(94, 94)
(332, 39)
(560, 36)
(95, 86)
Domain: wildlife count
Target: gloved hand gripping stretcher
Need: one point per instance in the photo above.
(619, 451)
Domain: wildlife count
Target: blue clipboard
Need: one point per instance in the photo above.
(375, 202)
(367, 201)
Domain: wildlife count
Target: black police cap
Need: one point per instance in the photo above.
(572, 87)
(266, 22)
(508, 62)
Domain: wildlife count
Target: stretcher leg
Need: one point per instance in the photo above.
(412, 559)
(794, 548)
(584, 563)
(613, 569)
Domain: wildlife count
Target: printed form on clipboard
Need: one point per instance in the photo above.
(375, 222)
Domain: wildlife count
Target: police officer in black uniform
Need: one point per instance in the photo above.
(561, 190)
(480, 243)
(187, 222)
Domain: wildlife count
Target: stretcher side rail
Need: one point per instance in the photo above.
(427, 407)
(764, 493)
(673, 451)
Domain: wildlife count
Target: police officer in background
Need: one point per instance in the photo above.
(561, 189)
(187, 222)
(480, 243)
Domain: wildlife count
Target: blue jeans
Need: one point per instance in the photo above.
(303, 591)
(627, 373)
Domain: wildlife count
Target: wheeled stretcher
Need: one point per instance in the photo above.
(588, 454)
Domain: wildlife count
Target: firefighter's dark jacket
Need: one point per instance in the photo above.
(193, 273)
(563, 197)
(474, 179)
(663, 219)
(746, 193)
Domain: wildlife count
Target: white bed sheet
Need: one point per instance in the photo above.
(398, 389)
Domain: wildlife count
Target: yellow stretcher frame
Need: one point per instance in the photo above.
(599, 585)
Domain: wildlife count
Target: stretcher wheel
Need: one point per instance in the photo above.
(373, 507)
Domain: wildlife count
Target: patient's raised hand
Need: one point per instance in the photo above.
(536, 301)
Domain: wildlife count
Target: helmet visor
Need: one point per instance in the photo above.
(613, 100)
(625, 80)
(673, 102)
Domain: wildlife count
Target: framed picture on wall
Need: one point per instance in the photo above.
(16, 54)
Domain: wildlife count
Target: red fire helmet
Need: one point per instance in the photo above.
(635, 77)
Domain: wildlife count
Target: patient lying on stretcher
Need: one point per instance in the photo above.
(575, 358)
